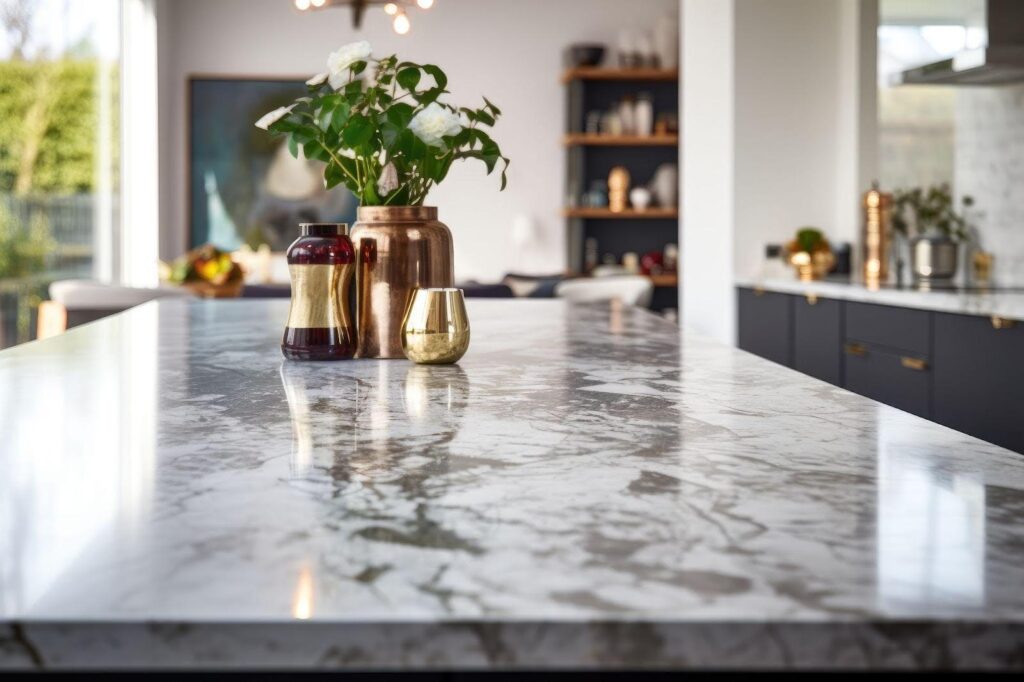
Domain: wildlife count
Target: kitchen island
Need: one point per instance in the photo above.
(586, 489)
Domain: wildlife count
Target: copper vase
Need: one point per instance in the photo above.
(399, 249)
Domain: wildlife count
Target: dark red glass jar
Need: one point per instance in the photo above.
(321, 263)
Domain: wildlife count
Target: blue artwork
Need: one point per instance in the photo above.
(245, 188)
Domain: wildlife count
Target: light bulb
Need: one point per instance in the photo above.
(402, 25)
(391, 8)
(425, 4)
(319, 3)
(301, 5)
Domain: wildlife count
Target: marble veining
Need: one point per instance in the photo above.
(1008, 304)
(587, 488)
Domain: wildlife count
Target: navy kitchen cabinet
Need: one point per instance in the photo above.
(766, 324)
(886, 355)
(979, 377)
(817, 338)
(889, 377)
(964, 371)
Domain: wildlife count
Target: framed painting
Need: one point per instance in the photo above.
(244, 186)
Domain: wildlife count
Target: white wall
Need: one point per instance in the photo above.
(508, 51)
(708, 165)
(772, 98)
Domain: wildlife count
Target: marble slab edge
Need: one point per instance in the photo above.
(1009, 304)
(515, 645)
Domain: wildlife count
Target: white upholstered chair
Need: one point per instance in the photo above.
(630, 289)
(77, 301)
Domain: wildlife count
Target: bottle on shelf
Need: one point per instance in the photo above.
(643, 115)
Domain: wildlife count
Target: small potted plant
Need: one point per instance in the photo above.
(385, 130)
(810, 253)
(927, 217)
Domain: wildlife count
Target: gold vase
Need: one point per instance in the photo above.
(814, 265)
(398, 249)
(436, 328)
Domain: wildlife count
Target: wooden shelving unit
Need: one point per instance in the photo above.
(590, 139)
(590, 158)
(664, 280)
(600, 73)
(653, 213)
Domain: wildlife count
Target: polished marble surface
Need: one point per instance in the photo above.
(585, 488)
(1002, 303)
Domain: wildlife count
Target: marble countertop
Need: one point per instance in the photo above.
(588, 488)
(1005, 303)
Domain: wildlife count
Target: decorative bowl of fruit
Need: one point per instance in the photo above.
(206, 271)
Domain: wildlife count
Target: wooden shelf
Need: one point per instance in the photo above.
(629, 213)
(598, 73)
(591, 139)
(669, 280)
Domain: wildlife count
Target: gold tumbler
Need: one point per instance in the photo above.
(435, 330)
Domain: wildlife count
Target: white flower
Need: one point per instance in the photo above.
(318, 79)
(434, 122)
(273, 117)
(347, 153)
(340, 60)
(388, 180)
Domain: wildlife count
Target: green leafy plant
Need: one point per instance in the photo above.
(388, 137)
(924, 210)
(809, 238)
(23, 249)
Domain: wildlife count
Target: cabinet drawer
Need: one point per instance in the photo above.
(817, 337)
(979, 378)
(766, 324)
(903, 381)
(895, 328)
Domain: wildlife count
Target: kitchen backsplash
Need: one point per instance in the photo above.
(990, 166)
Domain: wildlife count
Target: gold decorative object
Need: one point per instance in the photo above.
(877, 234)
(436, 327)
(982, 261)
(398, 249)
(811, 254)
(618, 189)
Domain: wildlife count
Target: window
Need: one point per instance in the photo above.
(59, 151)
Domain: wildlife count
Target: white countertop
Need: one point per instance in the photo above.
(1008, 304)
(587, 488)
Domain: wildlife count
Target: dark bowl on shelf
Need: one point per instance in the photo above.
(585, 54)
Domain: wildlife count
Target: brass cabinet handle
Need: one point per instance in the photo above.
(758, 291)
(855, 349)
(1003, 323)
(812, 299)
(916, 364)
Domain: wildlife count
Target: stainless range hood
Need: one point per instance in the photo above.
(999, 62)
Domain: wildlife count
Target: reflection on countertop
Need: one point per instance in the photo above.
(588, 487)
